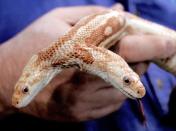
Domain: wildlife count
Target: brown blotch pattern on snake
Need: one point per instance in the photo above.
(83, 54)
(47, 54)
(102, 32)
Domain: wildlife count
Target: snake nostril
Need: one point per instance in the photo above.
(141, 92)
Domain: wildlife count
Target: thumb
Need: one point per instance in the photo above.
(73, 14)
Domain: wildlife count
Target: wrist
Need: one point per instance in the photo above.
(5, 91)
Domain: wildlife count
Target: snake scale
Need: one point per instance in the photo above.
(85, 47)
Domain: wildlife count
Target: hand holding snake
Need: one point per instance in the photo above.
(125, 48)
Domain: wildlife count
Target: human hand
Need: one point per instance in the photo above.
(63, 99)
(139, 49)
(92, 98)
(81, 98)
(73, 101)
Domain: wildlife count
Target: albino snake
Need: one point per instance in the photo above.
(84, 47)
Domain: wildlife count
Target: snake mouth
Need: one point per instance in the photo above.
(128, 94)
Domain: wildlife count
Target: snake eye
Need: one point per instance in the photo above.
(25, 89)
(126, 80)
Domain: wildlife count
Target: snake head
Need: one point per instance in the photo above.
(132, 86)
(34, 77)
(122, 77)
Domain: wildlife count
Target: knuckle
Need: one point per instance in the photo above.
(163, 45)
(166, 48)
(118, 7)
(170, 49)
(160, 48)
(123, 48)
(97, 9)
(76, 115)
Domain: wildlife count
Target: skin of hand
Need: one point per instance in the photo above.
(147, 47)
(36, 36)
(73, 95)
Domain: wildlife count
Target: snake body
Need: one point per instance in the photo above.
(84, 47)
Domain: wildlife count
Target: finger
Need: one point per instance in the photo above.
(74, 14)
(118, 7)
(64, 77)
(137, 48)
(93, 85)
(98, 113)
(103, 97)
(104, 111)
(140, 68)
(83, 78)
(110, 95)
(77, 91)
(103, 102)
